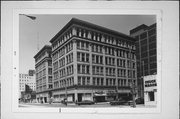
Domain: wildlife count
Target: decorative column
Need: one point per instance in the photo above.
(102, 38)
(79, 32)
(94, 37)
(84, 35)
(104, 65)
(90, 62)
(98, 39)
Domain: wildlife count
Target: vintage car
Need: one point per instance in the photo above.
(85, 102)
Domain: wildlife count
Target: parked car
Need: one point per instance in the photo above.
(140, 101)
(118, 102)
(85, 102)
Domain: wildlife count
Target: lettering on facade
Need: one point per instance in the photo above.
(150, 83)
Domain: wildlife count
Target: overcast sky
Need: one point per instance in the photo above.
(44, 27)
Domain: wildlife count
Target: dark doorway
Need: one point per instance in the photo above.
(79, 97)
(151, 96)
(100, 98)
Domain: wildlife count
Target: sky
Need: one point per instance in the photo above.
(34, 34)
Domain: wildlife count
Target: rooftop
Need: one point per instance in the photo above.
(90, 25)
(44, 48)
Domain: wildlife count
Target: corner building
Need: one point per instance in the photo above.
(43, 66)
(91, 62)
(146, 53)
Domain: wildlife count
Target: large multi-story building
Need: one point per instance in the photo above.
(27, 79)
(146, 53)
(91, 62)
(43, 66)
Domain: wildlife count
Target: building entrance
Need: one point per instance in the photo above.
(79, 97)
(99, 98)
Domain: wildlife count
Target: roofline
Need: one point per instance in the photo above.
(142, 26)
(91, 25)
(45, 47)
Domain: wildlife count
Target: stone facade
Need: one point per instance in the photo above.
(43, 66)
(91, 62)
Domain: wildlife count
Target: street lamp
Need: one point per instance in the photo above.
(31, 17)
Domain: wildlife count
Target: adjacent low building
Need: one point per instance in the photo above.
(27, 79)
(90, 62)
(150, 90)
(43, 66)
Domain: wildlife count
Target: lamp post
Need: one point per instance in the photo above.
(29, 16)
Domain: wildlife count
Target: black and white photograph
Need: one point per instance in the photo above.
(87, 61)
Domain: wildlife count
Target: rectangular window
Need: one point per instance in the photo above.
(94, 80)
(82, 45)
(83, 80)
(102, 81)
(101, 59)
(79, 80)
(98, 81)
(87, 57)
(97, 59)
(79, 68)
(93, 58)
(78, 56)
(83, 69)
(101, 70)
(88, 80)
(87, 69)
(107, 82)
(93, 69)
(83, 57)
(97, 70)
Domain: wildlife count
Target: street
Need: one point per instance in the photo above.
(103, 104)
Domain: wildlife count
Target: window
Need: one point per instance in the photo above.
(87, 69)
(93, 58)
(78, 45)
(151, 96)
(93, 70)
(102, 81)
(98, 81)
(79, 80)
(83, 69)
(83, 80)
(88, 80)
(78, 56)
(87, 57)
(49, 71)
(82, 45)
(101, 59)
(79, 68)
(83, 57)
(94, 81)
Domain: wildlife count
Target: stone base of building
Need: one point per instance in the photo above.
(92, 95)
